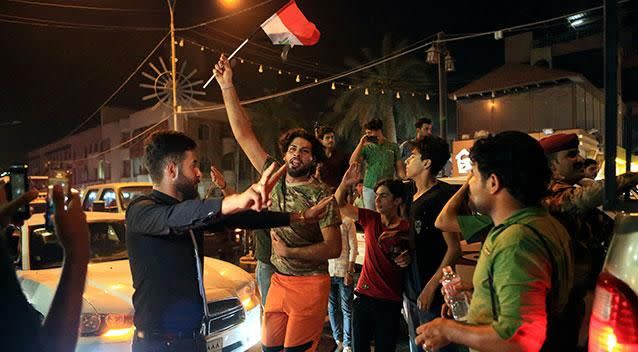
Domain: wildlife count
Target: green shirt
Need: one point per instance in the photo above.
(380, 162)
(521, 273)
(293, 198)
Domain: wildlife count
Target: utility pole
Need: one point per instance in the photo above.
(173, 64)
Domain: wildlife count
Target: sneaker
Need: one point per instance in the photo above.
(339, 347)
(347, 349)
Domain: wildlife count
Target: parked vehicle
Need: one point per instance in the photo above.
(113, 197)
(614, 319)
(106, 323)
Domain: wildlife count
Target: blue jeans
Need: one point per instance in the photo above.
(414, 317)
(340, 310)
(263, 273)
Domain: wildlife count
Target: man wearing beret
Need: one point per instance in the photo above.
(576, 208)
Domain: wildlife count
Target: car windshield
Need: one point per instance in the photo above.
(127, 194)
(107, 244)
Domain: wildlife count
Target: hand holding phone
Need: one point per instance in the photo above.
(61, 178)
(19, 185)
(372, 139)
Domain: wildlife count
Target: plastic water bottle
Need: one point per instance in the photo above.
(455, 299)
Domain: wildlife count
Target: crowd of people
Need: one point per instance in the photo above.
(531, 204)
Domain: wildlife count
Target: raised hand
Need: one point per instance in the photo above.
(223, 72)
(352, 175)
(70, 225)
(217, 177)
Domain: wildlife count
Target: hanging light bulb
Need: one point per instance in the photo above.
(493, 95)
(202, 48)
(398, 96)
(449, 63)
(412, 93)
(454, 97)
(241, 60)
(427, 96)
(261, 68)
(316, 80)
(366, 92)
(349, 86)
(176, 59)
(181, 43)
(333, 86)
(298, 79)
(382, 92)
(279, 72)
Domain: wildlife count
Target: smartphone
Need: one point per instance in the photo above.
(372, 139)
(17, 186)
(56, 177)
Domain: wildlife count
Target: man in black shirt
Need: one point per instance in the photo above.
(331, 169)
(168, 305)
(433, 249)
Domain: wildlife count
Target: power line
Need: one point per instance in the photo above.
(223, 17)
(75, 25)
(113, 9)
(120, 87)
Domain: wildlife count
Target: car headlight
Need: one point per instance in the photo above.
(247, 296)
(110, 325)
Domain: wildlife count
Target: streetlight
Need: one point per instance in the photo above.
(438, 54)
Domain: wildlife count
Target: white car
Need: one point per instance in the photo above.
(107, 313)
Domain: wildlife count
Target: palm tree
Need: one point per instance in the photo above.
(353, 108)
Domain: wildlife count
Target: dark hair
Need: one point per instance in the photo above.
(373, 125)
(589, 162)
(324, 130)
(436, 149)
(422, 121)
(394, 186)
(519, 162)
(318, 154)
(162, 147)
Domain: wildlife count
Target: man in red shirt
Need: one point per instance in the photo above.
(376, 311)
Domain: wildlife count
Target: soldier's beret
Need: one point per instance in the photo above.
(558, 142)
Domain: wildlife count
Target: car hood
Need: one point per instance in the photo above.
(109, 286)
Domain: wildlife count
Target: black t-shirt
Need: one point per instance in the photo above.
(333, 168)
(20, 325)
(430, 246)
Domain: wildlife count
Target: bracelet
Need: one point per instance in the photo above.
(228, 86)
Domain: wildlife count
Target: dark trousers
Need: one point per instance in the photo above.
(375, 319)
(157, 344)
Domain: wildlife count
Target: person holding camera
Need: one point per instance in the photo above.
(382, 157)
(22, 325)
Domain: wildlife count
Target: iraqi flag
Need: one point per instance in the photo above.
(290, 27)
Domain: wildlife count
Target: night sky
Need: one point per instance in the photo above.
(55, 78)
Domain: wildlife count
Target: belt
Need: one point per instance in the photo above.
(166, 335)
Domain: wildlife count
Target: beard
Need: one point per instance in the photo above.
(188, 188)
(299, 171)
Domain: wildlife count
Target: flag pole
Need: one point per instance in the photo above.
(233, 53)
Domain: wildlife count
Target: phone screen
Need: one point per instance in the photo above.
(56, 177)
(19, 184)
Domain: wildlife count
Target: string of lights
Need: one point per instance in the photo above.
(332, 79)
